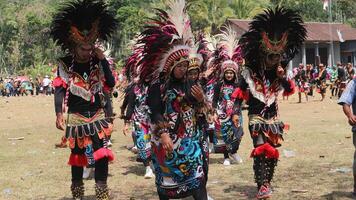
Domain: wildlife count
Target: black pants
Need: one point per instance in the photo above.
(199, 194)
(101, 166)
(101, 172)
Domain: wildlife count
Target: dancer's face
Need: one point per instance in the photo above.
(83, 52)
(193, 74)
(272, 60)
(180, 70)
(229, 75)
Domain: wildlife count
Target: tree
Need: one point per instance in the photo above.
(311, 10)
(346, 10)
(246, 9)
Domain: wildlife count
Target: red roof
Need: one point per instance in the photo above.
(317, 31)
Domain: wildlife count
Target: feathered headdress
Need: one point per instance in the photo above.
(203, 49)
(279, 31)
(82, 22)
(211, 46)
(132, 66)
(167, 41)
(228, 52)
(209, 53)
(195, 58)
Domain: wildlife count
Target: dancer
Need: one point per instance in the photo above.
(77, 27)
(272, 40)
(302, 82)
(321, 81)
(227, 107)
(177, 105)
(138, 115)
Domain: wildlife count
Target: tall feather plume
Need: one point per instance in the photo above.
(228, 40)
(179, 18)
(132, 66)
(108, 50)
(203, 48)
(228, 53)
(196, 57)
(212, 42)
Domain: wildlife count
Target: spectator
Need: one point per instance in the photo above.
(46, 84)
(33, 86)
(38, 84)
(9, 88)
(348, 102)
(2, 87)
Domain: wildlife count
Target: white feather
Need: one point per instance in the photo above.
(178, 16)
(212, 42)
(108, 50)
(229, 39)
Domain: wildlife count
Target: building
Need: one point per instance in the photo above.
(329, 42)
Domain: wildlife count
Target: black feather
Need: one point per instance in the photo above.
(274, 22)
(82, 14)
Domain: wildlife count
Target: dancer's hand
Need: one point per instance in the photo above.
(60, 121)
(208, 72)
(236, 120)
(126, 129)
(216, 117)
(280, 72)
(210, 118)
(198, 93)
(167, 142)
(99, 53)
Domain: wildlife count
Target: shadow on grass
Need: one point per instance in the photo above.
(123, 147)
(339, 194)
(138, 170)
(248, 191)
(217, 160)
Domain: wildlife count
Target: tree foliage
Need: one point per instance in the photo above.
(24, 24)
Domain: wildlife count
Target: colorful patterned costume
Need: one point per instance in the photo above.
(228, 108)
(176, 115)
(138, 113)
(182, 171)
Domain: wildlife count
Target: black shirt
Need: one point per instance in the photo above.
(76, 103)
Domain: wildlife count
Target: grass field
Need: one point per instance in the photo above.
(320, 137)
